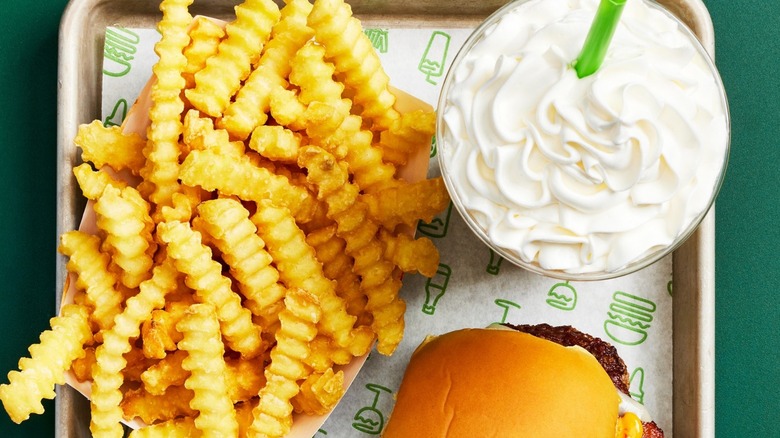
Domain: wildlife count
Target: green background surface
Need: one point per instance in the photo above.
(748, 223)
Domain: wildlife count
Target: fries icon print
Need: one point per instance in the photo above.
(119, 50)
(378, 38)
(629, 318)
(438, 226)
(369, 419)
(434, 57)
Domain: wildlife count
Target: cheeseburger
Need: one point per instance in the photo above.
(532, 381)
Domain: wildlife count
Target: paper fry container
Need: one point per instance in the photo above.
(81, 42)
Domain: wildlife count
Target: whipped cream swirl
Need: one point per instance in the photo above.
(583, 175)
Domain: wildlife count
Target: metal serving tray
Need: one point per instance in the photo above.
(80, 63)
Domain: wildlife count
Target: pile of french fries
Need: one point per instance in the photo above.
(250, 238)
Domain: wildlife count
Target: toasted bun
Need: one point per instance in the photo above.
(502, 383)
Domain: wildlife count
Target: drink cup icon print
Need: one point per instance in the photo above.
(629, 318)
(435, 56)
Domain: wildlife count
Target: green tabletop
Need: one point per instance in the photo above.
(748, 223)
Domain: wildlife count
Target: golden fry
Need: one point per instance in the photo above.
(273, 414)
(411, 255)
(165, 373)
(205, 362)
(239, 177)
(107, 376)
(275, 143)
(92, 275)
(161, 171)
(124, 218)
(205, 36)
(204, 275)
(183, 427)
(227, 222)
(93, 182)
(353, 55)
(222, 76)
(299, 268)
(46, 366)
(320, 393)
(253, 100)
(174, 403)
(407, 203)
(109, 146)
(378, 280)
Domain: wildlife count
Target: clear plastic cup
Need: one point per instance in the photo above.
(451, 142)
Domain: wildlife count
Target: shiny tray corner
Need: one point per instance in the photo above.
(79, 99)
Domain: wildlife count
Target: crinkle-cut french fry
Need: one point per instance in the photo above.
(174, 403)
(323, 120)
(286, 109)
(199, 134)
(183, 205)
(183, 427)
(244, 416)
(406, 203)
(107, 374)
(49, 359)
(299, 268)
(243, 377)
(93, 182)
(103, 146)
(166, 372)
(206, 364)
(157, 335)
(92, 275)
(216, 83)
(275, 143)
(204, 275)
(227, 222)
(337, 265)
(123, 215)
(353, 55)
(239, 177)
(410, 254)
(205, 36)
(137, 363)
(314, 76)
(410, 133)
(378, 280)
(161, 171)
(319, 393)
(273, 414)
(252, 102)
(82, 367)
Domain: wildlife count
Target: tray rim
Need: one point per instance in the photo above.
(693, 263)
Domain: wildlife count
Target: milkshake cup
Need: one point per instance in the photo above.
(582, 179)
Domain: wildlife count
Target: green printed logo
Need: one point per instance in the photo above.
(494, 265)
(629, 317)
(636, 385)
(117, 115)
(506, 305)
(369, 419)
(435, 288)
(433, 146)
(562, 296)
(378, 38)
(434, 57)
(119, 50)
(669, 287)
(438, 226)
